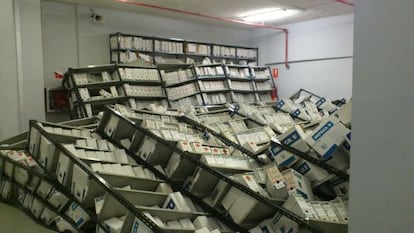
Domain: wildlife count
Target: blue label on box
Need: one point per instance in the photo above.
(303, 168)
(287, 162)
(329, 153)
(135, 227)
(79, 222)
(265, 229)
(320, 102)
(322, 131)
(303, 194)
(289, 140)
(296, 113)
(171, 205)
(280, 104)
(283, 229)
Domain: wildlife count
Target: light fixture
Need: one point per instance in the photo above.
(267, 14)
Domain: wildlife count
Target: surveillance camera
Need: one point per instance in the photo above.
(97, 18)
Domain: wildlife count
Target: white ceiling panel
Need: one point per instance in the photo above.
(309, 9)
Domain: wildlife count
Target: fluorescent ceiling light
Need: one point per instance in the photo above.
(267, 14)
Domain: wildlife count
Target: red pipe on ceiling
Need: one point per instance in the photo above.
(345, 2)
(224, 19)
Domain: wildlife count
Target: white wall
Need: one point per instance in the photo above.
(315, 39)
(9, 108)
(382, 164)
(21, 66)
(66, 25)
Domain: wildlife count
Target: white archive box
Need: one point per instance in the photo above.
(77, 214)
(298, 184)
(47, 216)
(344, 113)
(320, 211)
(313, 172)
(64, 226)
(340, 209)
(139, 227)
(63, 169)
(176, 201)
(244, 208)
(327, 137)
(46, 153)
(114, 224)
(58, 199)
(34, 142)
(298, 205)
(44, 189)
(283, 224)
(36, 208)
(286, 105)
(204, 221)
(329, 210)
(325, 104)
(147, 148)
(294, 137)
(80, 183)
(275, 182)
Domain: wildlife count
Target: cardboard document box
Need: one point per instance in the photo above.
(63, 169)
(330, 211)
(44, 189)
(327, 137)
(298, 205)
(139, 227)
(294, 137)
(314, 173)
(175, 201)
(320, 211)
(46, 154)
(47, 216)
(298, 184)
(80, 183)
(36, 208)
(340, 209)
(275, 182)
(282, 224)
(77, 214)
(57, 199)
(204, 221)
(34, 142)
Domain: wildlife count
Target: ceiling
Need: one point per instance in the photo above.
(308, 9)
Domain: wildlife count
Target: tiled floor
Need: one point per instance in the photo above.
(13, 220)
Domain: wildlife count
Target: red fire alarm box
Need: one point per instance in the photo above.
(275, 72)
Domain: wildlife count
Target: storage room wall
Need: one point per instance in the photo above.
(71, 38)
(330, 37)
(21, 66)
(382, 130)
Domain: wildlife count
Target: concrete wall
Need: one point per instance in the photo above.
(316, 39)
(68, 28)
(382, 130)
(21, 65)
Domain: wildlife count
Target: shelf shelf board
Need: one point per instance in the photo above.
(99, 84)
(177, 84)
(131, 50)
(242, 91)
(212, 77)
(189, 95)
(146, 97)
(234, 78)
(214, 91)
(168, 53)
(197, 55)
(169, 214)
(208, 65)
(143, 82)
(260, 79)
(264, 90)
(104, 101)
